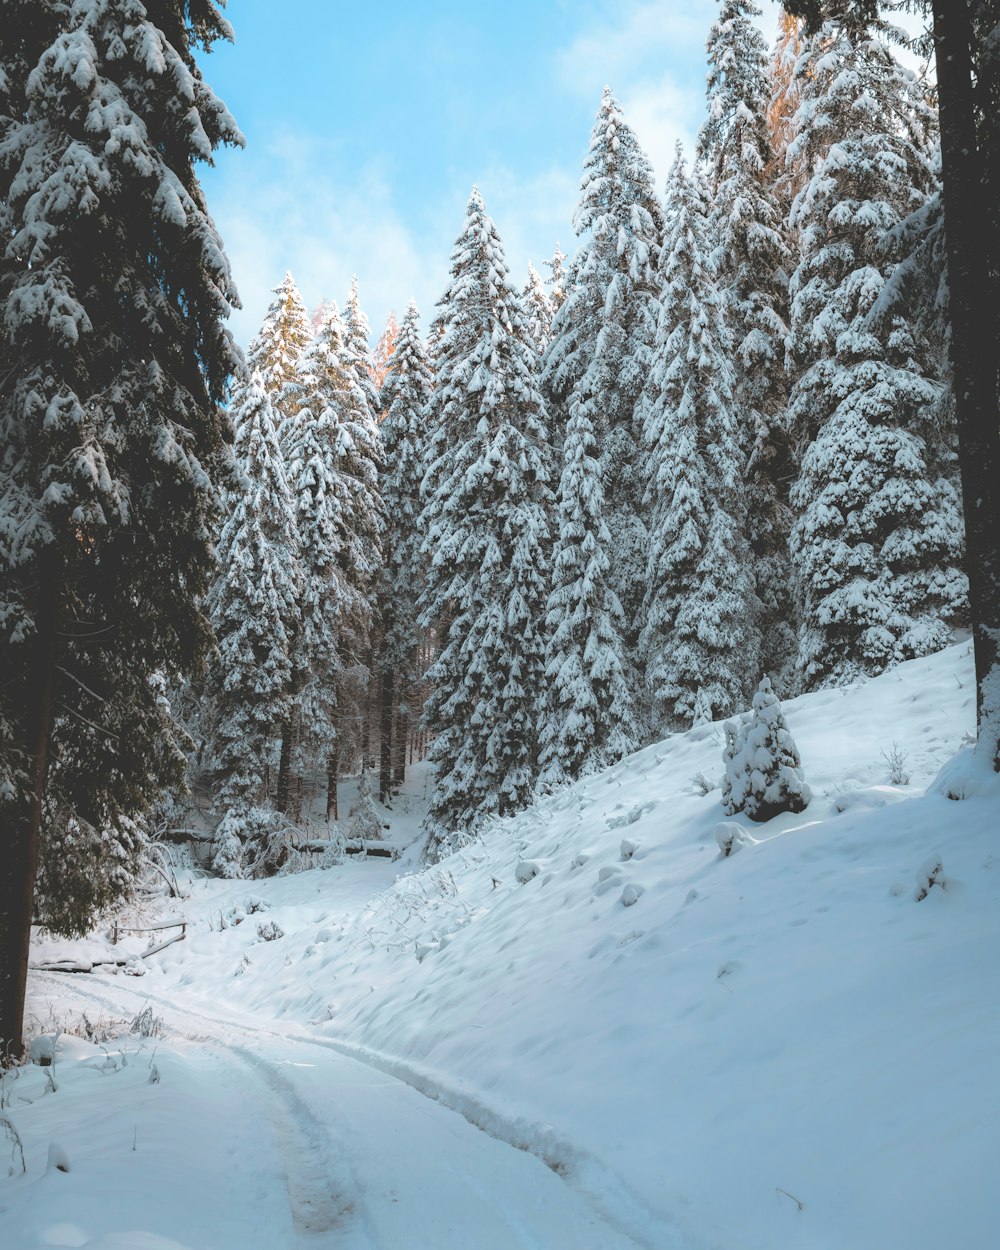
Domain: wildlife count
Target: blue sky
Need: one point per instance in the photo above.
(366, 127)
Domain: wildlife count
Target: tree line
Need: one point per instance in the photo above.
(719, 443)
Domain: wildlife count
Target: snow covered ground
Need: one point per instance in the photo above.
(783, 1048)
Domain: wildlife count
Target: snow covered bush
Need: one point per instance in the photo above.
(731, 837)
(227, 846)
(734, 781)
(363, 821)
(253, 842)
(763, 768)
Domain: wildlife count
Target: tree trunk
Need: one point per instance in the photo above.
(973, 308)
(281, 792)
(402, 734)
(387, 686)
(332, 776)
(366, 723)
(20, 861)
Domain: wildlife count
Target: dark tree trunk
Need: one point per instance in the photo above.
(20, 860)
(284, 766)
(366, 723)
(402, 733)
(973, 306)
(387, 686)
(332, 777)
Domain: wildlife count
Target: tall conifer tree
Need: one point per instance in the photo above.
(877, 544)
(750, 260)
(602, 334)
(334, 453)
(538, 309)
(276, 350)
(113, 291)
(590, 715)
(254, 606)
(485, 524)
(699, 643)
(405, 394)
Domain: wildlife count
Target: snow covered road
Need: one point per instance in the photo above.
(253, 1139)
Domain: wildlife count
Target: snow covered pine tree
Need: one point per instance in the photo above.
(485, 523)
(763, 768)
(113, 289)
(254, 606)
(405, 394)
(750, 261)
(277, 348)
(602, 337)
(968, 91)
(877, 541)
(699, 641)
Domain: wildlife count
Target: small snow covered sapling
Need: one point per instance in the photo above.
(896, 758)
(763, 768)
(734, 782)
(775, 783)
(363, 821)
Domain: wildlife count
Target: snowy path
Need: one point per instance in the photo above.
(341, 1155)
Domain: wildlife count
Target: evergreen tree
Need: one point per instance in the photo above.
(382, 355)
(699, 640)
(876, 545)
(558, 279)
(602, 334)
(538, 310)
(363, 459)
(276, 350)
(254, 607)
(333, 459)
(363, 821)
(750, 261)
(968, 94)
(358, 356)
(113, 290)
(590, 717)
(405, 394)
(763, 768)
(485, 525)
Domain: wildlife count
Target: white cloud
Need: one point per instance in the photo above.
(293, 208)
(297, 203)
(645, 52)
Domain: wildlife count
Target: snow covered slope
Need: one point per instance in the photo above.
(783, 1048)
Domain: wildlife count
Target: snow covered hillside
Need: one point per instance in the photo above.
(791, 1047)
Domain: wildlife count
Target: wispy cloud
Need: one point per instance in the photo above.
(294, 208)
(652, 54)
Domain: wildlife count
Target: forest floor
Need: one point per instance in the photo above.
(587, 1030)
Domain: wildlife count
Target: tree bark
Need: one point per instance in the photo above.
(332, 776)
(20, 861)
(281, 793)
(387, 687)
(974, 293)
(402, 733)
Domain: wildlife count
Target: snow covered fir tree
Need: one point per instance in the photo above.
(602, 336)
(877, 535)
(111, 419)
(486, 538)
(700, 640)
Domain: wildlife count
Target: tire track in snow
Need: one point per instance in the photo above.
(597, 1185)
(322, 1192)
